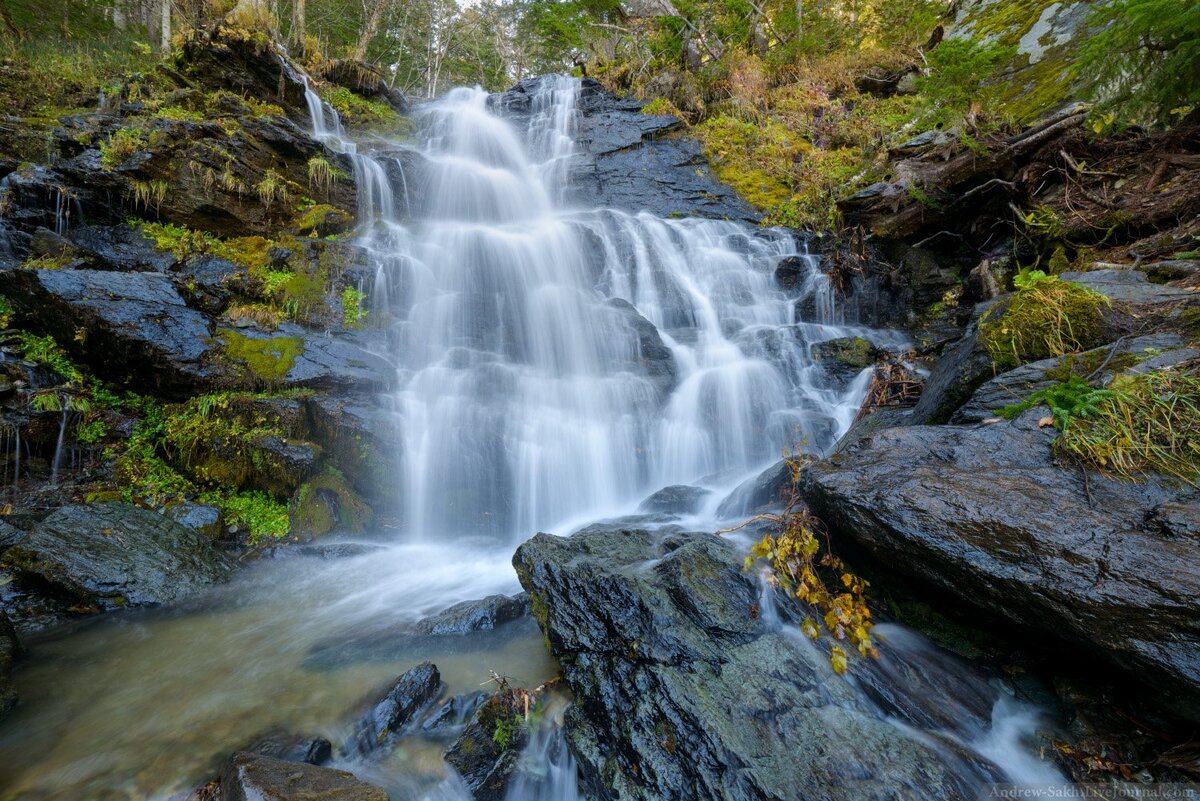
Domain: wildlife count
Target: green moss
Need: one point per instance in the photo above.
(1050, 318)
(326, 504)
(268, 358)
(323, 219)
(353, 311)
(358, 112)
(264, 517)
(46, 263)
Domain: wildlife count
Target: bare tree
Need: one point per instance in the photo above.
(370, 29)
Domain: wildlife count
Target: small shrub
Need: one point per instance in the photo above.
(119, 147)
(272, 188)
(322, 175)
(149, 194)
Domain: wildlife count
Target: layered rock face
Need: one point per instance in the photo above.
(683, 690)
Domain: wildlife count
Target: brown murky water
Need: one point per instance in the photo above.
(141, 705)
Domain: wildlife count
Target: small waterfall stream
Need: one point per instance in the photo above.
(557, 365)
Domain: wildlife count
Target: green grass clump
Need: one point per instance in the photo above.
(358, 112)
(46, 351)
(1048, 317)
(263, 516)
(354, 313)
(119, 147)
(1141, 423)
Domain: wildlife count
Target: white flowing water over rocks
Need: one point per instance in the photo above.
(557, 365)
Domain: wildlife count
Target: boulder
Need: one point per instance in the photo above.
(280, 744)
(414, 690)
(472, 616)
(846, 357)
(113, 555)
(766, 491)
(628, 162)
(487, 753)
(254, 777)
(678, 499)
(1132, 287)
(985, 514)
(201, 518)
(135, 326)
(961, 368)
(683, 691)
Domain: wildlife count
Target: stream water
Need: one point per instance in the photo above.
(557, 365)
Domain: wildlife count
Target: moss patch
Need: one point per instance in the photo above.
(266, 358)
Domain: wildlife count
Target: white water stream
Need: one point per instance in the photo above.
(557, 365)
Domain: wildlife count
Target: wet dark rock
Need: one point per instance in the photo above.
(682, 691)
(984, 513)
(360, 439)
(790, 272)
(768, 490)
(472, 616)
(219, 58)
(9, 535)
(654, 358)
(338, 361)
(959, 371)
(10, 649)
(676, 499)
(254, 777)
(628, 162)
(136, 326)
(449, 719)
(280, 744)
(204, 520)
(120, 247)
(113, 555)
(1018, 384)
(414, 690)
(1131, 286)
(487, 753)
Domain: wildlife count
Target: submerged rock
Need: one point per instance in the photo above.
(112, 555)
(254, 777)
(985, 514)
(683, 691)
(676, 499)
(414, 690)
(471, 616)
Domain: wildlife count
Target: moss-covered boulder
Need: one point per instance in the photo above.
(327, 504)
(1044, 35)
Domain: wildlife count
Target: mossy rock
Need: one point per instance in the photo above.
(1052, 318)
(327, 504)
(854, 352)
(324, 220)
(262, 359)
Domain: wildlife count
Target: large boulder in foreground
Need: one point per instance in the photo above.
(985, 514)
(683, 691)
(253, 777)
(111, 555)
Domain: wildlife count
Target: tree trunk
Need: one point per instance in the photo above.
(369, 30)
(298, 25)
(165, 40)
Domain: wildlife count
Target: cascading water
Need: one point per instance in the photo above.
(556, 366)
(560, 364)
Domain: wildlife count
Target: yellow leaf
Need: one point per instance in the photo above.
(810, 628)
(838, 658)
(1045, 422)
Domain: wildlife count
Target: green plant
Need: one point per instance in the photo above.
(45, 351)
(119, 147)
(1067, 400)
(322, 175)
(353, 311)
(149, 194)
(263, 516)
(272, 188)
(91, 431)
(1146, 422)
(6, 312)
(179, 113)
(1144, 59)
(962, 73)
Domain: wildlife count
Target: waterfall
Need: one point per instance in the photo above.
(559, 364)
